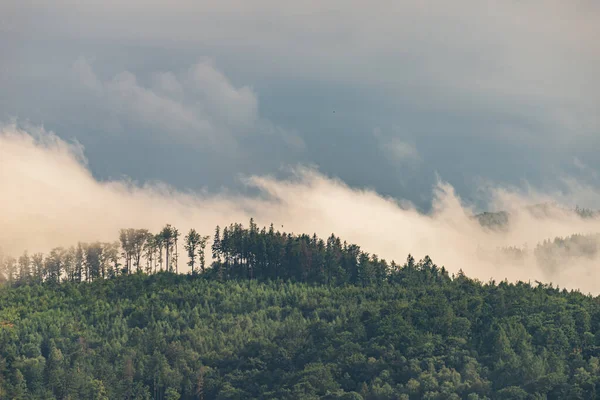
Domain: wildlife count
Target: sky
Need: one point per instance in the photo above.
(386, 95)
(388, 98)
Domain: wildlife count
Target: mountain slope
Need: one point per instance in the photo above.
(418, 334)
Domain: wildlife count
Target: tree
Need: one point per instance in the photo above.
(160, 244)
(128, 374)
(150, 253)
(2, 271)
(19, 386)
(93, 260)
(126, 237)
(133, 243)
(167, 236)
(54, 265)
(24, 268)
(191, 245)
(10, 269)
(105, 260)
(78, 276)
(111, 256)
(70, 264)
(199, 390)
(202, 252)
(176, 235)
(365, 269)
(138, 240)
(172, 394)
(216, 245)
(37, 263)
(54, 371)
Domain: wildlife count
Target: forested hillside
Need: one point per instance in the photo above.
(237, 252)
(282, 316)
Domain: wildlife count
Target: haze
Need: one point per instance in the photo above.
(389, 124)
(55, 201)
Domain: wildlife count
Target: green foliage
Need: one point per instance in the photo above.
(176, 336)
(282, 316)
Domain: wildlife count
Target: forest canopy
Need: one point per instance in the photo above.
(283, 316)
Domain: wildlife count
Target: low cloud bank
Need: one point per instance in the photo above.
(50, 199)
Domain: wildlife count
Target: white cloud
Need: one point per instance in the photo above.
(235, 106)
(133, 100)
(534, 62)
(396, 149)
(199, 107)
(515, 55)
(83, 71)
(55, 201)
(402, 151)
(520, 72)
(167, 84)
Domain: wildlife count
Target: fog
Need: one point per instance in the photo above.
(50, 198)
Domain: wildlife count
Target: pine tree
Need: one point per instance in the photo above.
(176, 235)
(37, 263)
(54, 265)
(24, 268)
(149, 252)
(10, 269)
(167, 239)
(160, 244)
(199, 392)
(79, 263)
(137, 240)
(202, 252)
(69, 264)
(216, 245)
(19, 391)
(93, 257)
(110, 255)
(191, 245)
(54, 371)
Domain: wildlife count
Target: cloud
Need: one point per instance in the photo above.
(401, 150)
(83, 71)
(507, 89)
(503, 91)
(396, 149)
(534, 59)
(198, 107)
(52, 199)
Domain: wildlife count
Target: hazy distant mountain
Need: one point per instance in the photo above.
(501, 219)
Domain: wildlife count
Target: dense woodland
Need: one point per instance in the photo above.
(281, 316)
(237, 252)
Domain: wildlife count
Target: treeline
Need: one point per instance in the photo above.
(550, 254)
(237, 252)
(251, 253)
(501, 219)
(137, 250)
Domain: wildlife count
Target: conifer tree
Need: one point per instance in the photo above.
(24, 268)
(191, 245)
(202, 252)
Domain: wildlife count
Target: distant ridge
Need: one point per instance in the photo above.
(501, 219)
